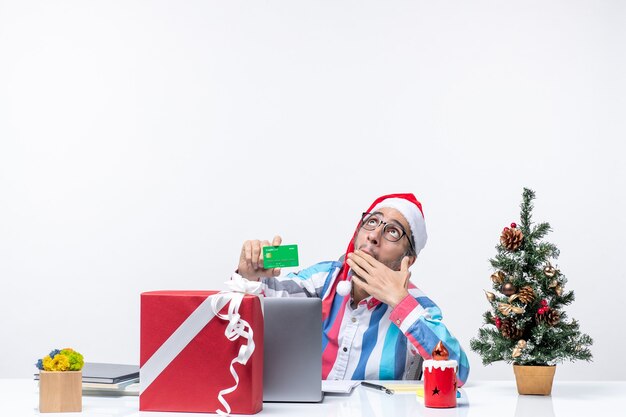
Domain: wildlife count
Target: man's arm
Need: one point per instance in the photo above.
(419, 318)
(309, 282)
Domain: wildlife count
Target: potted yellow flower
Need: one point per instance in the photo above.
(60, 381)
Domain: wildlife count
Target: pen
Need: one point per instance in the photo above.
(378, 387)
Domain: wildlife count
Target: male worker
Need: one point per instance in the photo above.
(378, 326)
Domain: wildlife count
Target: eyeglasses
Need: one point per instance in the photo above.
(391, 232)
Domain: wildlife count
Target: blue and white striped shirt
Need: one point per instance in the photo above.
(371, 341)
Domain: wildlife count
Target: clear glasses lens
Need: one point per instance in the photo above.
(371, 222)
(391, 232)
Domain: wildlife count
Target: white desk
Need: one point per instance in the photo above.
(18, 398)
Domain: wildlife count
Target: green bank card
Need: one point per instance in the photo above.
(280, 256)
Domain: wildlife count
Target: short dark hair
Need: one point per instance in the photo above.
(410, 251)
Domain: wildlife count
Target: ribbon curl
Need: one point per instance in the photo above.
(236, 328)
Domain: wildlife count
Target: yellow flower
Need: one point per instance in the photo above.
(60, 363)
(47, 363)
(61, 360)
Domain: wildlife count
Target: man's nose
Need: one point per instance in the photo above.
(373, 236)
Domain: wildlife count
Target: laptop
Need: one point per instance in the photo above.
(292, 367)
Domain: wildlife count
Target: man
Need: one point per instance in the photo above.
(378, 327)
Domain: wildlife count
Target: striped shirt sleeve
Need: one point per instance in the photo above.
(309, 282)
(419, 318)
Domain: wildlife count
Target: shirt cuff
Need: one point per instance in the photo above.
(403, 309)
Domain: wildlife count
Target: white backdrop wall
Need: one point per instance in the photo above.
(142, 142)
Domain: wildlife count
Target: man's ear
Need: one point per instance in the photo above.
(412, 260)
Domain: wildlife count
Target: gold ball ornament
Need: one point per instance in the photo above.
(508, 289)
(558, 290)
(549, 270)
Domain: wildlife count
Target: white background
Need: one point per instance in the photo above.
(142, 142)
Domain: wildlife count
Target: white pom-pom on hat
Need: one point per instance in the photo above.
(344, 288)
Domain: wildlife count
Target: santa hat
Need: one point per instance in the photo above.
(411, 209)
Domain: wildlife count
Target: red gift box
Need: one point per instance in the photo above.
(186, 358)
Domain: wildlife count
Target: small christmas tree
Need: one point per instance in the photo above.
(526, 323)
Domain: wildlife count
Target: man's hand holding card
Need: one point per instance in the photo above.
(259, 258)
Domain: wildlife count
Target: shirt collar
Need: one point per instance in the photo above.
(370, 302)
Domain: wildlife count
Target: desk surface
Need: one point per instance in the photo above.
(18, 398)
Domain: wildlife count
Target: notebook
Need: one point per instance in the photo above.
(292, 367)
(107, 373)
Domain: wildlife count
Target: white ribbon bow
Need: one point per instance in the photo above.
(237, 327)
(239, 284)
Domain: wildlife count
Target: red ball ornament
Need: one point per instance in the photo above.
(498, 322)
(543, 310)
(505, 229)
(513, 225)
(544, 302)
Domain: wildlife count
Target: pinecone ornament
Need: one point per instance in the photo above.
(550, 317)
(510, 330)
(526, 294)
(511, 239)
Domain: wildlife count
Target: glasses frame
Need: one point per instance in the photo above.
(365, 215)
